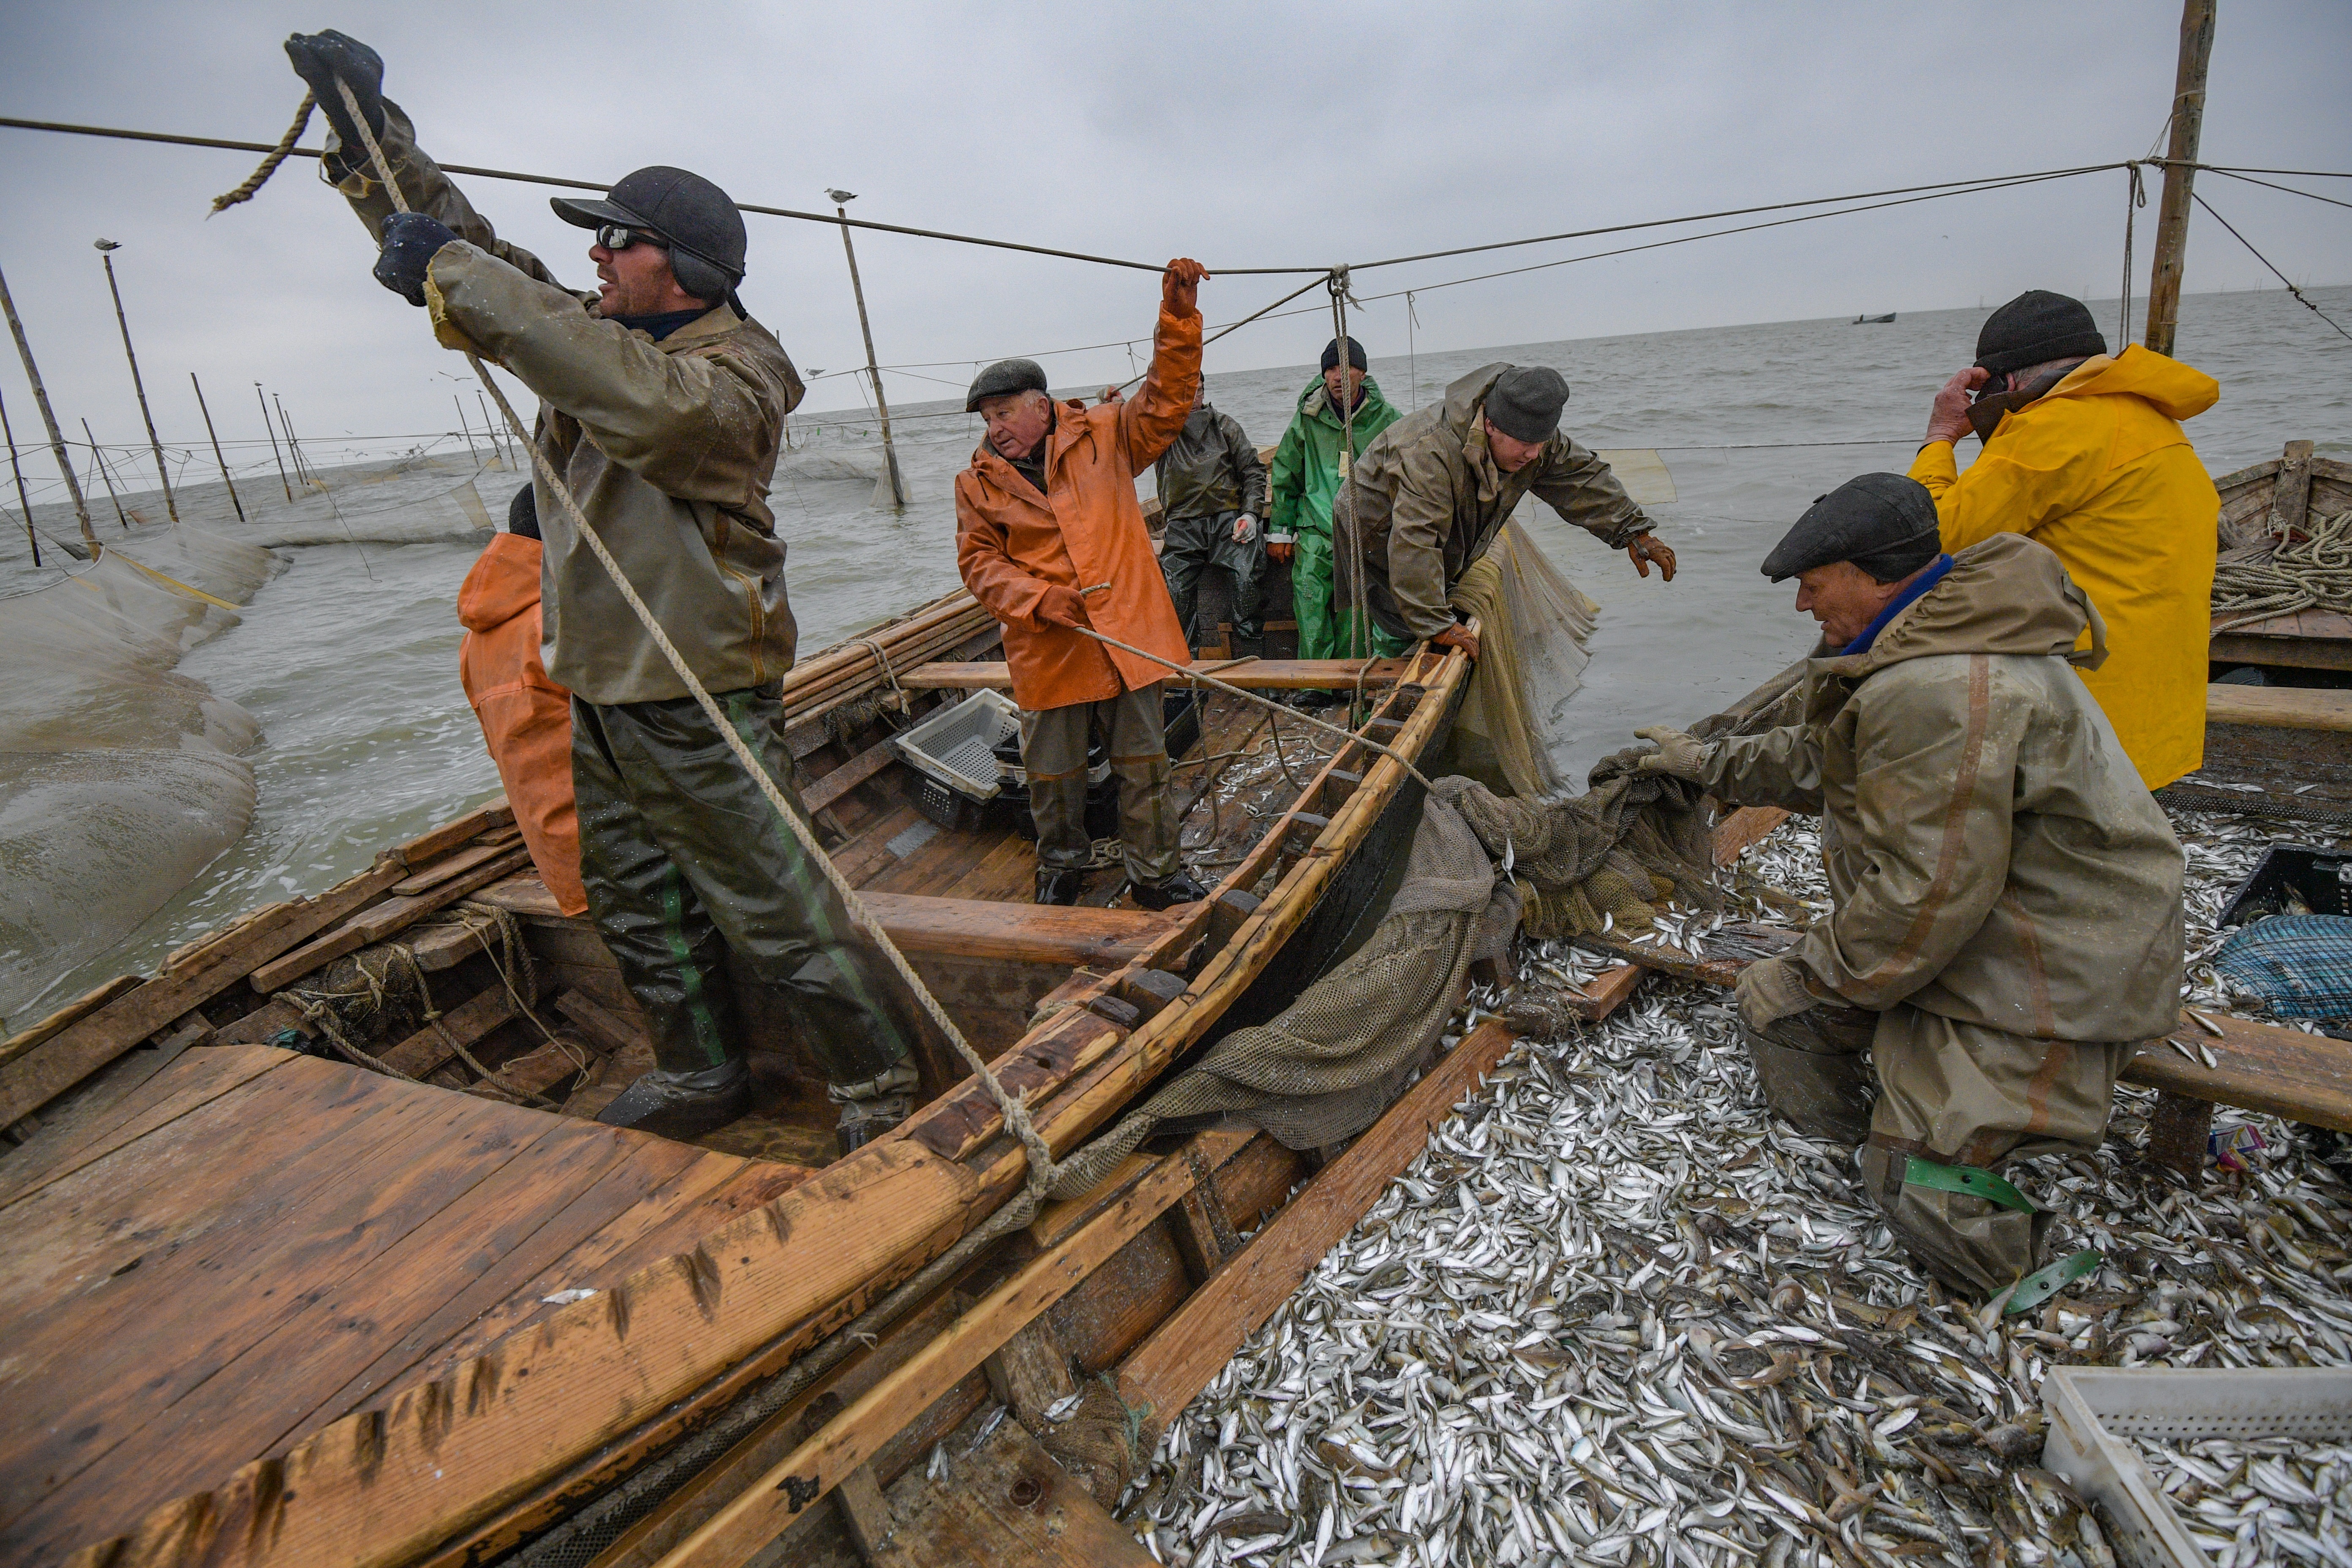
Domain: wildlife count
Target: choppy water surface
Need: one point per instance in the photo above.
(350, 657)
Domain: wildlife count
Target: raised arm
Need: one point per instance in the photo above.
(1150, 421)
(1579, 486)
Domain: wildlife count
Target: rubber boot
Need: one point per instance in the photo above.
(1967, 1242)
(1059, 886)
(682, 1105)
(1822, 1094)
(1180, 889)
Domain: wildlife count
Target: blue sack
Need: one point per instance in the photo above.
(2300, 966)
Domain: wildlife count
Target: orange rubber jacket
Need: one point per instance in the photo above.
(526, 718)
(1011, 543)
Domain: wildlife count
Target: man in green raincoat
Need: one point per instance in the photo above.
(1304, 477)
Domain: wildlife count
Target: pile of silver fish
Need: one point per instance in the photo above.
(1614, 1313)
(2270, 1500)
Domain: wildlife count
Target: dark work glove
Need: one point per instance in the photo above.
(320, 57)
(409, 241)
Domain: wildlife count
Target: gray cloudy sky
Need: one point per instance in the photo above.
(1243, 134)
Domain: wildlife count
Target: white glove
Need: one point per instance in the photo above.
(1244, 529)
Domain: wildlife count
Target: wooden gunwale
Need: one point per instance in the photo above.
(473, 1460)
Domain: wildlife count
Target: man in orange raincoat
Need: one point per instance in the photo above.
(1050, 537)
(526, 718)
(2084, 453)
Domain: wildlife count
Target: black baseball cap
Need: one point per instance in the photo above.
(687, 210)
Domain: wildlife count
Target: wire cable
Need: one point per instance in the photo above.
(2265, 260)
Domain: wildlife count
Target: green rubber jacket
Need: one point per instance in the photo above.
(1306, 473)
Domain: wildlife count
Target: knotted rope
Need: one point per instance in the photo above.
(2314, 570)
(1013, 1108)
(276, 155)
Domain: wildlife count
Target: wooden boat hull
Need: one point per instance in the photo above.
(491, 1436)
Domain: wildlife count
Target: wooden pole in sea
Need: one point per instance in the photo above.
(2179, 174)
(466, 426)
(292, 445)
(284, 483)
(97, 461)
(208, 413)
(48, 418)
(106, 249)
(881, 404)
(24, 501)
(497, 431)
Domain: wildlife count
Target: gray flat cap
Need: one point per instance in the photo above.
(1525, 402)
(1883, 523)
(1005, 376)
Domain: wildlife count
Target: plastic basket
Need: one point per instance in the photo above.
(957, 746)
(2092, 1409)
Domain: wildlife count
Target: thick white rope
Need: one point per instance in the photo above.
(1014, 1109)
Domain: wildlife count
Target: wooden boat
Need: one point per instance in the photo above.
(1873, 321)
(2278, 718)
(267, 1306)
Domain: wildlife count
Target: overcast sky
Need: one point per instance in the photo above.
(1243, 134)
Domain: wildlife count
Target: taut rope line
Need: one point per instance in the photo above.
(1013, 1109)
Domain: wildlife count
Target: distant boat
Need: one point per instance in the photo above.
(1873, 321)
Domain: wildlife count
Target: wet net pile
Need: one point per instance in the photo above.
(119, 777)
(1510, 734)
(1616, 1314)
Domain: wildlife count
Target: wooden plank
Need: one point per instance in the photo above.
(1025, 933)
(2280, 707)
(825, 791)
(1256, 675)
(1184, 1352)
(468, 1022)
(1031, 1371)
(492, 813)
(1006, 1502)
(38, 1075)
(523, 894)
(1608, 991)
(378, 922)
(1744, 829)
(865, 1513)
(157, 1099)
(755, 1516)
(2292, 494)
(80, 1007)
(2259, 1067)
(600, 1024)
(450, 866)
(2254, 645)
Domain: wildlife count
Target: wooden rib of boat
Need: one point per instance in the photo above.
(2278, 748)
(267, 1307)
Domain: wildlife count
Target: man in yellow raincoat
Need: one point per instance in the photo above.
(2083, 452)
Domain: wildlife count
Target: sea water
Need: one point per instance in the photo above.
(349, 658)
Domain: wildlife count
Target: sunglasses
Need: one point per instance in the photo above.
(620, 236)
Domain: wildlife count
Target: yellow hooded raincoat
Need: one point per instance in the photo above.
(2100, 471)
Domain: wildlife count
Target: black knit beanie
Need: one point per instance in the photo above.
(1883, 523)
(1525, 402)
(2036, 328)
(523, 514)
(1355, 355)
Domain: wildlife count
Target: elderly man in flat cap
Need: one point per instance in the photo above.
(1427, 497)
(2006, 922)
(662, 406)
(2084, 451)
(1050, 538)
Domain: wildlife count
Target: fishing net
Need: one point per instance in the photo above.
(119, 778)
(1532, 623)
(1326, 1068)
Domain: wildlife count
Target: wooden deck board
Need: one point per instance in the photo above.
(262, 1242)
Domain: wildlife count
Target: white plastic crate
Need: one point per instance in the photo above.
(957, 745)
(2093, 1410)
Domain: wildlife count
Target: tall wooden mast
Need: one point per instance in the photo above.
(2172, 220)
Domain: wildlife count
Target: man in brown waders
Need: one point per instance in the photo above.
(2006, 919)
(663, 408)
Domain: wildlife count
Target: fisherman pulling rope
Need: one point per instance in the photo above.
(679, 376)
